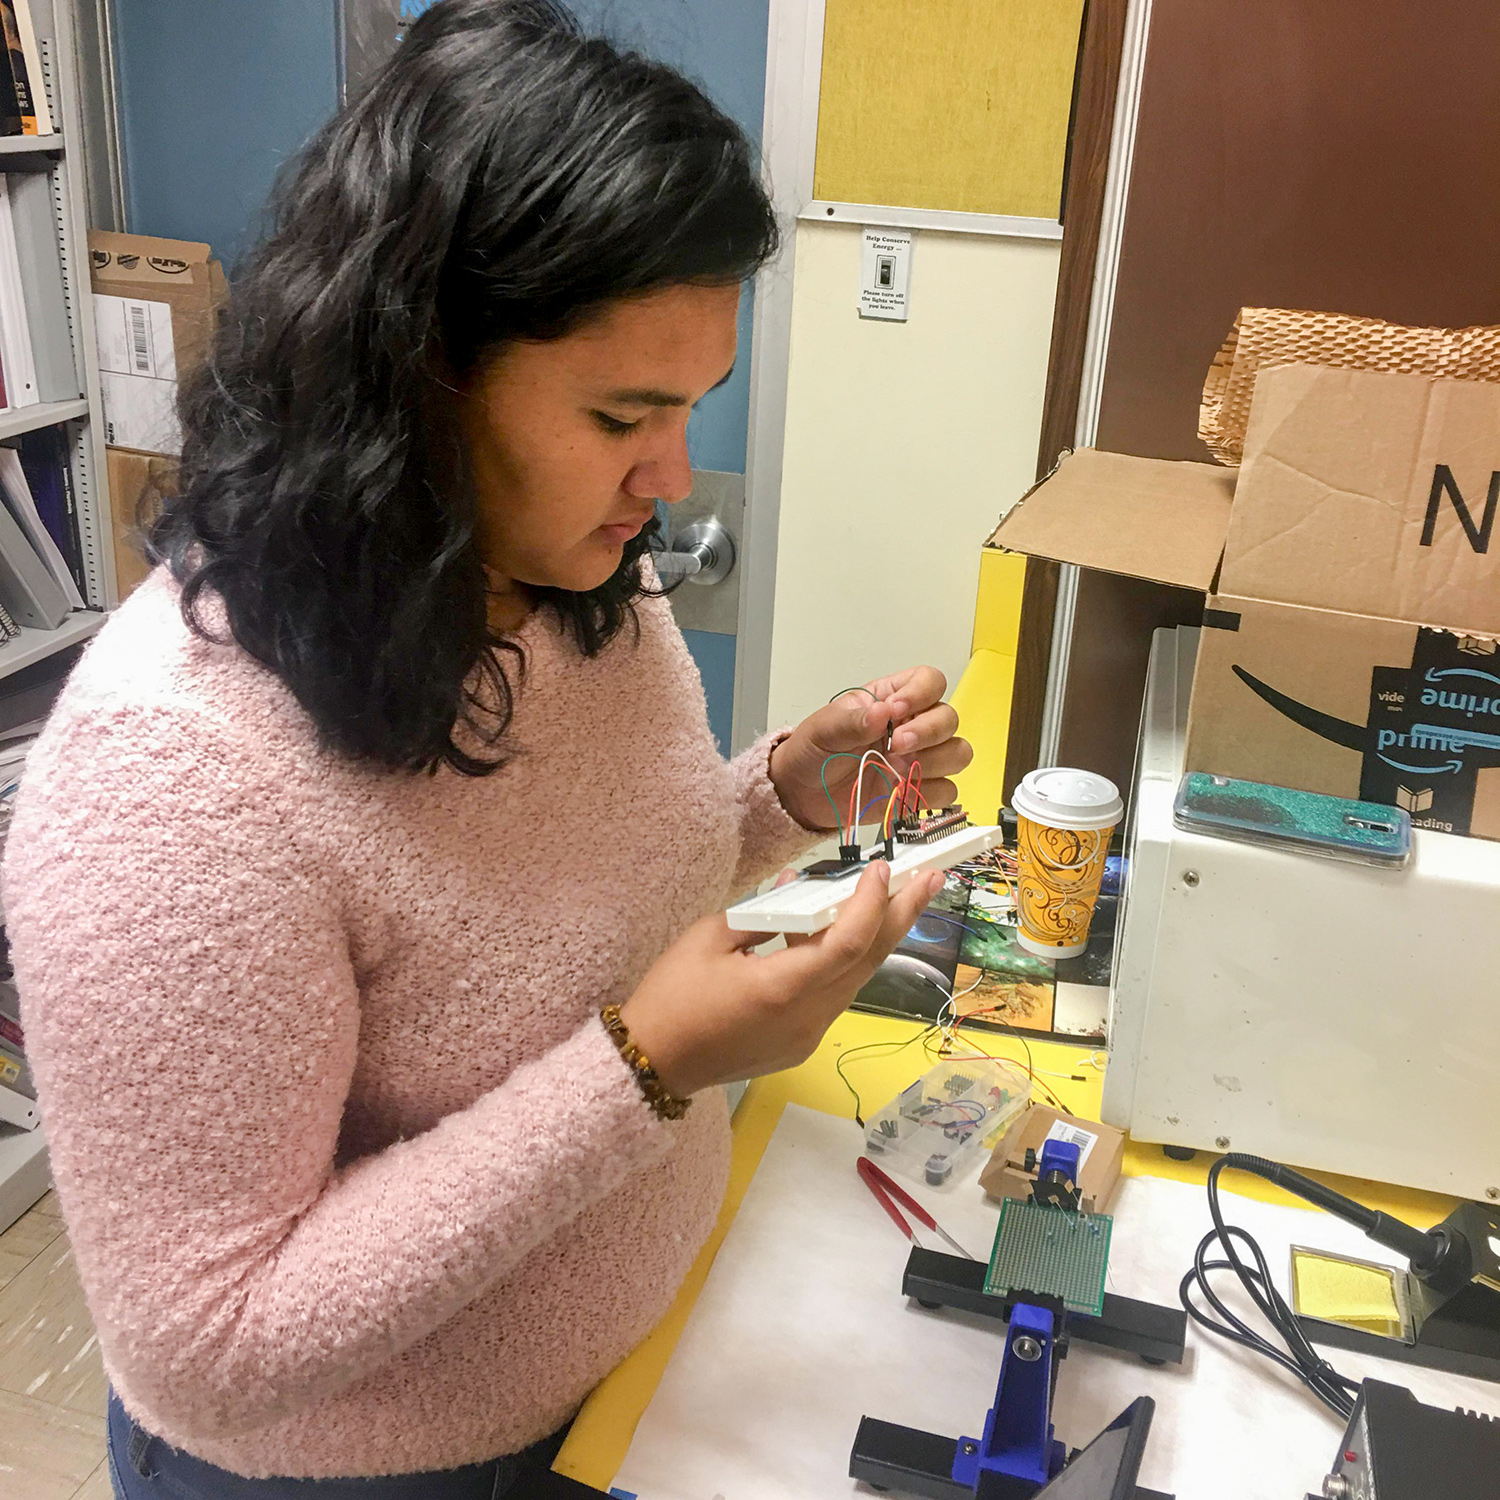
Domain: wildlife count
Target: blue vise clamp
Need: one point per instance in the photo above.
(1018, 1453)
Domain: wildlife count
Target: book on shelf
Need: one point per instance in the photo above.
(28, 589)
(13, 753)
(38, 270)
(16, 494)
(15, 1072)
(46, 463)
(11, 1033)
(15, 324)
(12, 121)
(17, 74)
(36, 343)
(32, 56)
(17, 1086)
(10, 1010)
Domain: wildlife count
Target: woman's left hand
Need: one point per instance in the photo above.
(910, 703)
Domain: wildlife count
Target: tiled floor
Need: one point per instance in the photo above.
(51, 1379)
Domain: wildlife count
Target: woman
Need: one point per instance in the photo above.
(395, 775)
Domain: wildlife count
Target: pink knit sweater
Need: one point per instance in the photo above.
(356, 1181)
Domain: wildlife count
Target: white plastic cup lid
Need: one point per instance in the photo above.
(1059, 797)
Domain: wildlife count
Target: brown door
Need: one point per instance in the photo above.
(1342, 155)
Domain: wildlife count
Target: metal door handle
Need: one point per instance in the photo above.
(701, 553)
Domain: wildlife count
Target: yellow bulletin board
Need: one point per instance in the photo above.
(947, 104)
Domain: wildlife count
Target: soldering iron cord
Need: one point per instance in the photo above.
(1335, 1391)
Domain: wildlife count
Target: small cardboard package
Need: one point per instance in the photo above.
(155, 302)
(132, 478)
(1354, 600)
(1101, 1147)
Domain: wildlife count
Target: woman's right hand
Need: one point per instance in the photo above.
(710, 1011)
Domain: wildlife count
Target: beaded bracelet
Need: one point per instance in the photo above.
(664, 1104)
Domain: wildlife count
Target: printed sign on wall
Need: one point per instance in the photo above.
(885, 274)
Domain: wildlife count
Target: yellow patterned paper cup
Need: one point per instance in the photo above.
(1065, 819)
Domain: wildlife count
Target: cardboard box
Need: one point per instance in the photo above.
(1005, 1174)
(134, 478)
(155, 306)
(1354, 601)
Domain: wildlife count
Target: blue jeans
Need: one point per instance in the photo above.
(143, 1467)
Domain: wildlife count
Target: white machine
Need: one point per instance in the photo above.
(1334, 1015)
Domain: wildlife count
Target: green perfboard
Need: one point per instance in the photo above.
(1052, 1252)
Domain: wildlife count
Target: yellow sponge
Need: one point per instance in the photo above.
(1346, 1291)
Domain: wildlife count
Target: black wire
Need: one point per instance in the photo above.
(1335, 1391)
(1036, 1078)
(889, 728)
(894, 1048)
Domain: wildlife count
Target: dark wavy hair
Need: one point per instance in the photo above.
(503, 178)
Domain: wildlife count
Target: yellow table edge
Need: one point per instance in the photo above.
(601, 1436)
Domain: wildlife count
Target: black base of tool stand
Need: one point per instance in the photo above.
(921, 1463)
(888, 1456)
(1157, 1334)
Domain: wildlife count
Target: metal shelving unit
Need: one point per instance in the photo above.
(23, 1149)
(80, 418)
(34, 645)
(23, 1172)
(15, 420)
(30, 145)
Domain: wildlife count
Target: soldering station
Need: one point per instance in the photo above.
(1045, 1283)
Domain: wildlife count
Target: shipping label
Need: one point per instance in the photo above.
(137, 373)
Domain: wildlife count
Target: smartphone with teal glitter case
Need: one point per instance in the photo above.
(1368, 833)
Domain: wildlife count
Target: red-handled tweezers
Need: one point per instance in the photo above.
(886, 1190)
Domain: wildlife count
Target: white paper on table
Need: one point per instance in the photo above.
(801, 1329)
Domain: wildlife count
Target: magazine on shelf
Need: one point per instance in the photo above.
(28, 590)
(45, 462)
(15, 1074)
(16, 493)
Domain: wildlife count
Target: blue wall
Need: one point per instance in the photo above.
(216, 94)
(721, 45)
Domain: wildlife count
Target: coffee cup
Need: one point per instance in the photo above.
(1065, 819)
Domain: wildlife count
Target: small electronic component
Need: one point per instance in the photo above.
(931, 824)
(1050, 1252)
(833, 869)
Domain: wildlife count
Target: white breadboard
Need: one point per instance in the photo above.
(809, 905)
